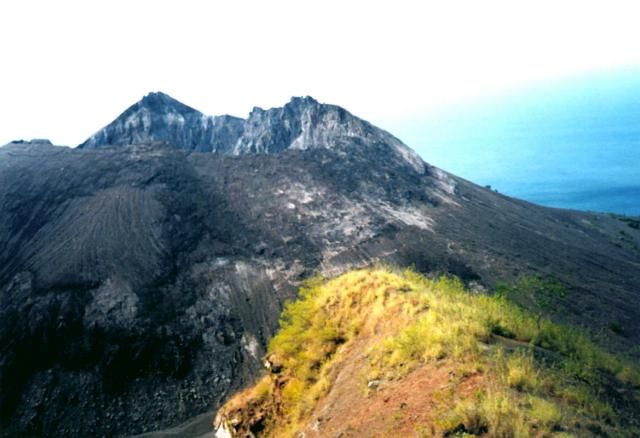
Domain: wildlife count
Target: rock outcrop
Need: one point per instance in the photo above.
(301, 124)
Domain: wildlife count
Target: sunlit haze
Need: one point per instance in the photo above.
(69, 67)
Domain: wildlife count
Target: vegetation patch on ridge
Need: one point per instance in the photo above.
(532, 377)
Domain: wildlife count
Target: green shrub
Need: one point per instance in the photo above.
(547, 414)
(521, 373)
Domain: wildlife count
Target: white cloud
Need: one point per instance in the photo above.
(69, 67)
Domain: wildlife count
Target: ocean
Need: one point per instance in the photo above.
(573, 143)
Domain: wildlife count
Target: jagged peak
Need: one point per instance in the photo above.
(296, 103)
(162, 102)
(303, 101)
(302, 123)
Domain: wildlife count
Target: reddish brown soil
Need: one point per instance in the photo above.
(407, 407)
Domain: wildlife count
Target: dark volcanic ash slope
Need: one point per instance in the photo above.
(138, 283)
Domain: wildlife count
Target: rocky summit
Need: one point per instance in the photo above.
(142, 273)
(301, 124)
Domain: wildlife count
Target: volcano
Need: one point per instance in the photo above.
(142, 273)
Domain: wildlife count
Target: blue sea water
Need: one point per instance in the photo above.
(571, 144)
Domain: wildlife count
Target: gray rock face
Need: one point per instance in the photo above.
(140, 283)
(301, 124)
(160, 118)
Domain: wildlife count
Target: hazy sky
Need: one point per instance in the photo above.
(70, 67)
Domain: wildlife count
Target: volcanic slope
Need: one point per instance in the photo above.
(139, 283)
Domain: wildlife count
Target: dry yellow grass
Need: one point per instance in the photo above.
(420, 321)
